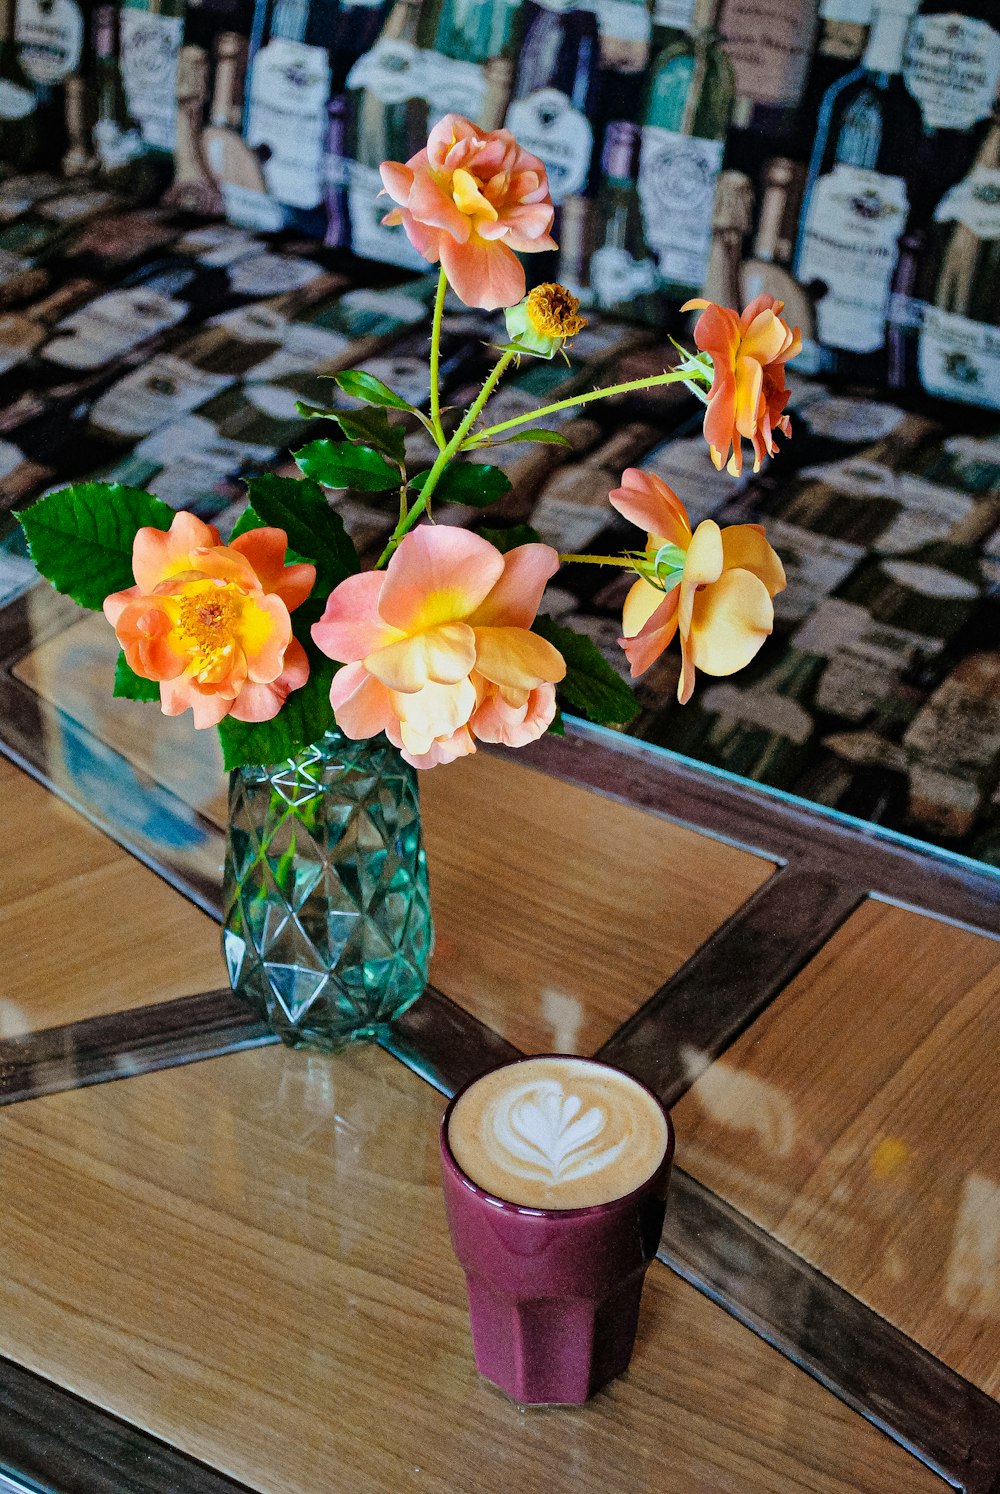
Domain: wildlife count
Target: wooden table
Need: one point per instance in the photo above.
(229, 1268)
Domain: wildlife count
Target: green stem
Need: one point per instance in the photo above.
(442, 288)
(674, 377)
(471, 415)
(597, 560)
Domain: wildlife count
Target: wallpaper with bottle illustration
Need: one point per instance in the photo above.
(841, 154)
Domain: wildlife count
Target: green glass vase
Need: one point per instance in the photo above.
(327, 927)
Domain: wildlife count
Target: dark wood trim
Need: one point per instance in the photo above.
(121, 1044)
(445, 1044)
(737, 972)
(875, 1369)
(771, 824)
(60, 1444)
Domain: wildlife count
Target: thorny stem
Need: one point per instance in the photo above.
(444, 457)
(676, 376)
(621, 560)
(442, 288)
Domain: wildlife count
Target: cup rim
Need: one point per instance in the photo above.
(507, 1205)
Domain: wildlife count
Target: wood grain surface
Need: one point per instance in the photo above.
(84, 929)
(558, 911)
(857, 1120)
(248, 1257)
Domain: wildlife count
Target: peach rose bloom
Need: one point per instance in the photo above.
(474, 200)
(722, 608)
(211, 622)
(748, 393)
(437, 648)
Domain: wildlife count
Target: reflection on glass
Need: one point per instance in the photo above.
(972, 1276)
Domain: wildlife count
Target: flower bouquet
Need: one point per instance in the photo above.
(329, 685)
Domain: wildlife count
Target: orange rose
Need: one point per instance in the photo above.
(748, 393)
(211, 622)
(722, 607)
(474, 200)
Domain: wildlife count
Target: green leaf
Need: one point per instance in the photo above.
(315, 412)
(132, 686)
(534, 433)
(372, 427)
(591, 687)
(509, 539)
(340, 464)
(557, 726)
(473, 483)
(248, 519)
(302, 720)
(314, 529)
(80, 538)
(365, 386)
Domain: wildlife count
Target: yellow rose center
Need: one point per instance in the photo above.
(554, 312)
(209, 621)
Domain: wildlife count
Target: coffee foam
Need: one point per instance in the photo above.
(557, 1133)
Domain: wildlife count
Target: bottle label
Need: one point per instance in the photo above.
(815, 565)
(952, 69)
(764, 709)
(452, 87)
(304, 349)
(271, 274)
(959, 358)
(15, 102)
(148, 397)
(96, 334)
(115, 146)
(49, 36)
(251, 209)
(392, 71)
(622, 21)
(68, 207)
(974, 201)
(617, 277)
(854, 220)
(289, 89)
(369, 237)
(218, 245)
(677, 175)
(149, 45)
(548, 125)
(770, 44)
(673, 15)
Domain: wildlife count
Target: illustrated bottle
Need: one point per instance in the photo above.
(857, 201)
(770, 44)
(21, 144)
(767, 272)
(623, 274)
(843, 35)
(359, 23)
(952, 69)
(150, 37)
(23, 332)
(387, 122)
(732, 219)
(468, 61)
(290, 81)
(235, 168)
(958, 342)
(689, 105)
(51, 37)
(79, 160)
(555, 92)
(193, 189)
(122, 158)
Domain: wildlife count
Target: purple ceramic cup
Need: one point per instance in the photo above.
(553, 1293)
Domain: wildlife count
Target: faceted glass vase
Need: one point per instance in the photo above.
(327, 926)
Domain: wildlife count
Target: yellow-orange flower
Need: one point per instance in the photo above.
(437, 649)
(722, 607)
(211, 622)
(748, 394)
(474, 200)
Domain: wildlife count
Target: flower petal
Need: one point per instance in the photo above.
(177, 696)
(437, 575)
(351, 626)
(516, 597)
(443, 655)
(640, 604)
(266, 549)
(744, 547)
(397, 180)
(433, 712)
(482, 274)
(361, 704)
(515, 726)
(644, 499)
(158, 554)
(729, 623)
(654, 637)
(262, 702)
(517, 658)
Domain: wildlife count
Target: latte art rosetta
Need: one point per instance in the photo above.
(557, 1132)
(546, 1132)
